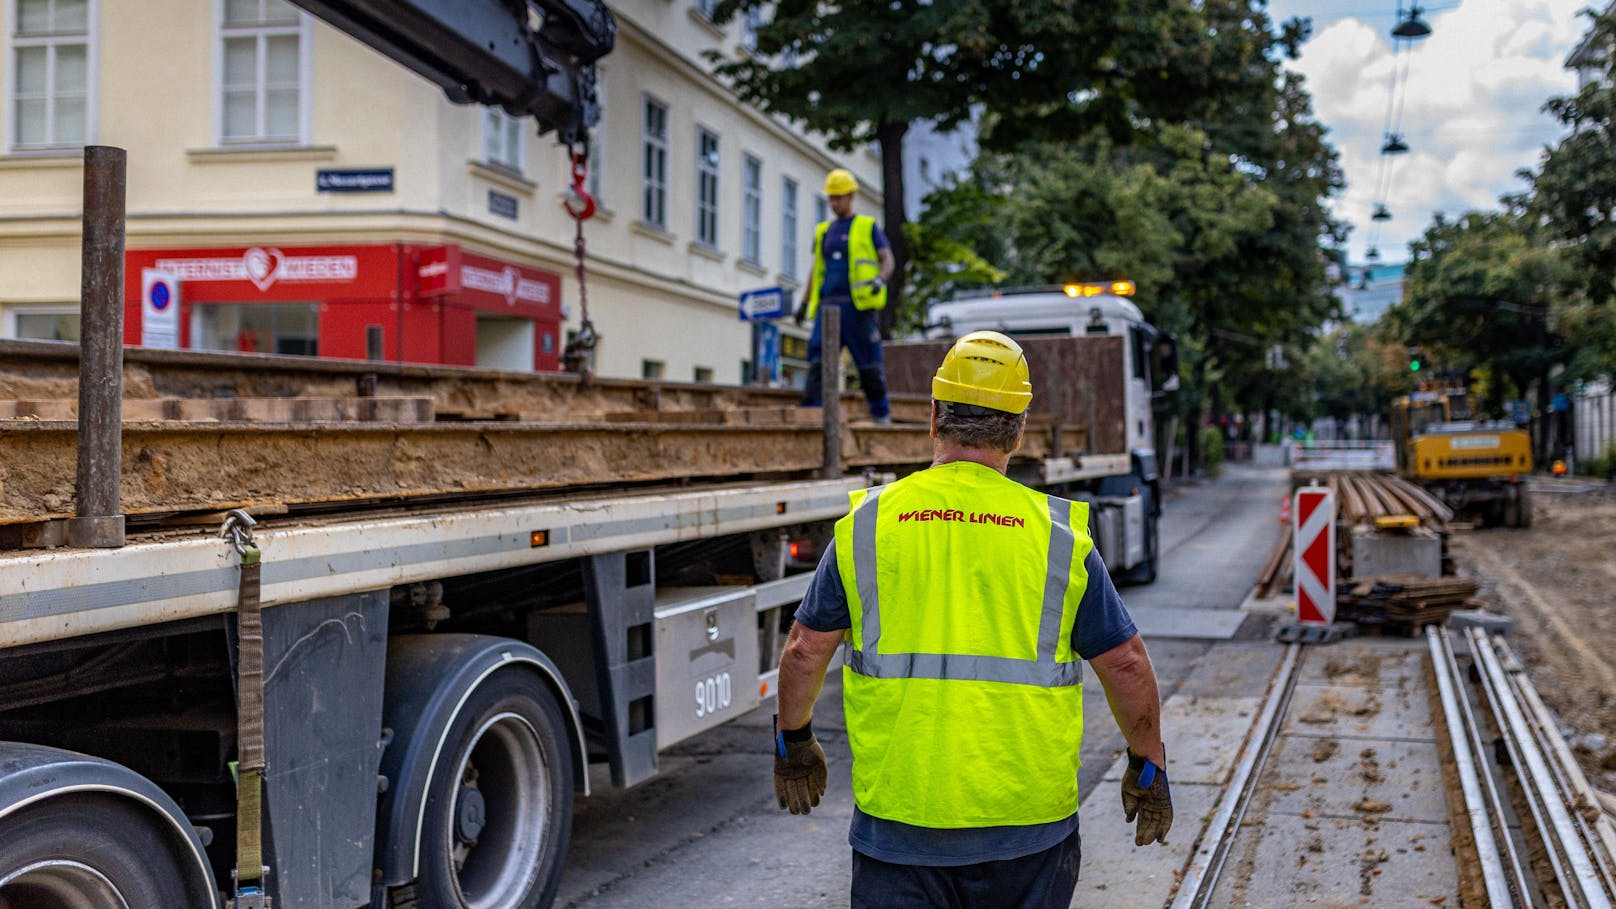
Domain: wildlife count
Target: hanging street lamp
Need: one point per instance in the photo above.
(1381, 214)
(1413, 27)
(1394, 145)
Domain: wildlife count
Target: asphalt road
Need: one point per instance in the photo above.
(706, 830)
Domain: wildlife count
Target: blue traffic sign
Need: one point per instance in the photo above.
(763, 303)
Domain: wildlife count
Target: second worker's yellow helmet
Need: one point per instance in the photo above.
(987, 369)
(840, 182)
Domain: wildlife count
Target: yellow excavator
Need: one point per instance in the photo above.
(1479, 468)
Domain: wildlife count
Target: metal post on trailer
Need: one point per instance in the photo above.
(830, 387)
(98, 520)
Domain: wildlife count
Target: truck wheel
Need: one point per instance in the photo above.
(88, 851)
(1525, 508)
(499, 804)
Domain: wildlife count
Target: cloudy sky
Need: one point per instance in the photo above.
(1472, 114)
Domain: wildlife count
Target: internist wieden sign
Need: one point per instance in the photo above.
(1314, 511)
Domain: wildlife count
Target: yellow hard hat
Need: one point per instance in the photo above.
(986, 369)
(840, 182)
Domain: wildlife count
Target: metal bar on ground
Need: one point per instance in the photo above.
(1577, 875)
(1201, 877)
(98, 517)
(830, 387)
(1478, 808)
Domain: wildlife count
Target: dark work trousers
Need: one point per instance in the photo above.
(861, 335)
(1043, 880)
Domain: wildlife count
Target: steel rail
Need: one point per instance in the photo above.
(1577, 875)
(1572, 786)
(1481, 807)
(1200, 879)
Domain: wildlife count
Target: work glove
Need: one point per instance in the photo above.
(800, 315)
(1144, 793)
(799, 768)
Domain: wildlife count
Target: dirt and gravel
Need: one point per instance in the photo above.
(1556, 580)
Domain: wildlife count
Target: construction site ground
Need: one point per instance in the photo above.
(1351, 808)
(1555, 579)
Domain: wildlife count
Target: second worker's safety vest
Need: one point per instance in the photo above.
(963, 695)
(863, 265)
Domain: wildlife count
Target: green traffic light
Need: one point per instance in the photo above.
(1413, 365)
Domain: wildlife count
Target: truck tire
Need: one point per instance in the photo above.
(89, 851)
(499, 805)
(1524, 519)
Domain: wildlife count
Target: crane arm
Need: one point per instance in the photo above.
(530, 57)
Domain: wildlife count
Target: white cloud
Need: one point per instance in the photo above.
(1472, 113)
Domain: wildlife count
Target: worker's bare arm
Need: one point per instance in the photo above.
(1130, 689)
(803, 662)
(888, 264)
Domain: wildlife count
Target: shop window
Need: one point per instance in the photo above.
(788, 228)
(503, 137)
(751, 209)
(652, 369)
(50, 103)
(706, 187)
(262, 90)
(654, 179)
(46, 324)
(278, 328)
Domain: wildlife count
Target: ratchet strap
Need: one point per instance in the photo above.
(250, 869)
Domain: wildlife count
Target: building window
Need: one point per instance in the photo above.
(706, 187)
(46, 323)
(821, 210)
(652, 369)
(597, 141)
(751, 209)
(262, 67)
(703, 374)
(654, 182)
(503, 137)
(788, 228)
(50, 94)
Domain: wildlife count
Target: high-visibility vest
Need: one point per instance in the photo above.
(863, 265)
(963, 695)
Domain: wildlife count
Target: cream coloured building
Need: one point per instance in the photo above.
(244, 120)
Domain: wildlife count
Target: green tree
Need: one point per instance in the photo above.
(1477, 296)
(1034, 69)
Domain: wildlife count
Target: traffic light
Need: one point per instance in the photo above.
(1413, 364)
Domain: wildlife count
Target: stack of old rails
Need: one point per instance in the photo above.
(1403, 604)
(1379, 501)
(206, 432)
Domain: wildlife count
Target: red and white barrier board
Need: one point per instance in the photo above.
(1314, 512)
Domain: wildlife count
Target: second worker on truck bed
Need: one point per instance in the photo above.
(852, 264)
(967, 603)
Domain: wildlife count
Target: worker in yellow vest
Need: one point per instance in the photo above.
(965, 603)
(852, 264)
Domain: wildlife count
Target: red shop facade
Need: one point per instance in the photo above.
(428, 304)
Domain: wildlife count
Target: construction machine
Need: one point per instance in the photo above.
(1476, 466)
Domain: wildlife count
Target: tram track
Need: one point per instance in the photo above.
(1533, 826)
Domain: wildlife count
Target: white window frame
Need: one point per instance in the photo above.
(752, 208)
(597, 142)
(788, 227)
(708, 173)
(8, 77)
(507, 126)
(653, 185)
(304, 29)
(14, 315)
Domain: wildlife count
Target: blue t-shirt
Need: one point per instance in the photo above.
(838, 287)
(1102, 623)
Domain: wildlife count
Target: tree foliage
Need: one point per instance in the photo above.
(1477, 295)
